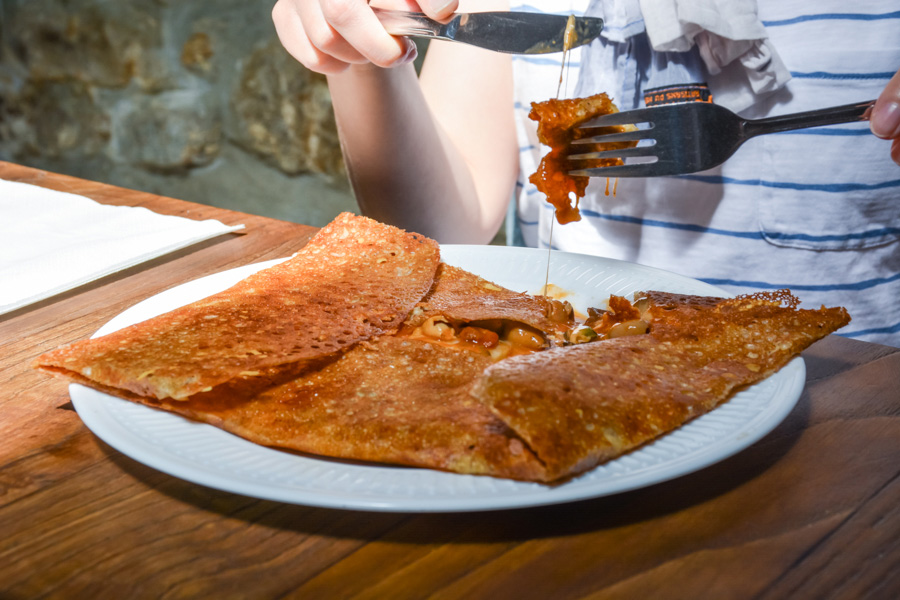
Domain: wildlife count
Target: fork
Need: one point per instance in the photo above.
(692, 137)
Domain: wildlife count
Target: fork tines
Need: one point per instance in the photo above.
(692, 136)
(630, 118)
(635, 135)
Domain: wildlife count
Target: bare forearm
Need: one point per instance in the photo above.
(436, 156)
(403, 167)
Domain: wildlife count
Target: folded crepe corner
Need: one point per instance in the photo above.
(580, 406)
(355, 279)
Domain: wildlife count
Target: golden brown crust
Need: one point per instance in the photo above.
(356, 279)
(579, 406)
(464, 297)
(390, 400)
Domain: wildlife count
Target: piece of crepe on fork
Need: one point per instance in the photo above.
(354, 280)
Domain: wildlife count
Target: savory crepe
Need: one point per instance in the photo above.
(579, 406)
(401, 399)
(354, 280)
(364, 347)
(464, 296)
(460, 301)
(389, 400)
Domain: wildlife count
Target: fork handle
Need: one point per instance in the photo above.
(847, 113)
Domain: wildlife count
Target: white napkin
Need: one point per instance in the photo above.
(54, 241)
(732, 42)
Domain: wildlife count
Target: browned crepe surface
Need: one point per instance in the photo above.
(390, 400)
(355, 279)
(582, 405)
(464, 297)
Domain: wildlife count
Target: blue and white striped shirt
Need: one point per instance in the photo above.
(815, 210)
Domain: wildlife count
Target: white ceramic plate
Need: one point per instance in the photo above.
(208, 456)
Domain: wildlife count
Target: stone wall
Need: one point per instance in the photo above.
(193, 99)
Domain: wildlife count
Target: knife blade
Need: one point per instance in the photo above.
(509, 32)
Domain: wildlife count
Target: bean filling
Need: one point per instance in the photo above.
(496, 337)
(501, 338)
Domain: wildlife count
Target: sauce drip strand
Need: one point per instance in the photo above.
(569, 38)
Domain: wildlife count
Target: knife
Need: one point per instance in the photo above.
(510, 32)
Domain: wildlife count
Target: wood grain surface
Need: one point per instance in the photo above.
(810, 511)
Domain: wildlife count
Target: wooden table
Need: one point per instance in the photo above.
(810, 511)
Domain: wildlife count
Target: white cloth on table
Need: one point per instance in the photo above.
(52, 241)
